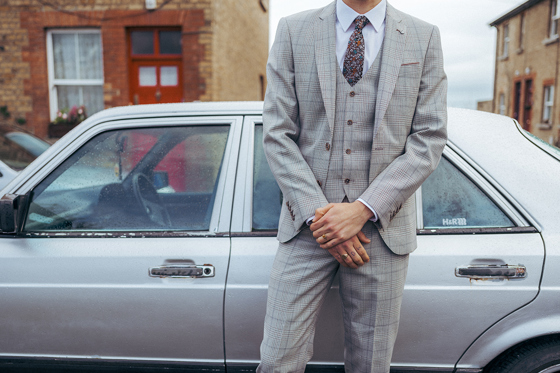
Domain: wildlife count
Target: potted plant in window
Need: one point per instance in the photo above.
(66, 119)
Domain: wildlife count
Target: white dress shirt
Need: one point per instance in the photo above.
(373, 32)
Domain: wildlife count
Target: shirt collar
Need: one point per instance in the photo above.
(347, 15)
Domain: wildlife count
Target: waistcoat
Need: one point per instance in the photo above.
(350, 155)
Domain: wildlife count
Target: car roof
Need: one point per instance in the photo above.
(185, 108)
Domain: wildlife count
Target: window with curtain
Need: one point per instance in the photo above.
(548, 103)
(75, 70)
(505, 41)
(554, 15)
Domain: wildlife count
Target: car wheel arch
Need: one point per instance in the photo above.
(526, 351)
(515, 331)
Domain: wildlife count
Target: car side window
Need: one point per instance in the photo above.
(452, 200)
(134, 179)
(267, 197)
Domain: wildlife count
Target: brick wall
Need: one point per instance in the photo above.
(239, 53)
(532, 55)
(206, 25)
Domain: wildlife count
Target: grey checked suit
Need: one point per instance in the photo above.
(302, 111)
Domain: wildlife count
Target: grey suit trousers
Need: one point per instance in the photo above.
(371, 296)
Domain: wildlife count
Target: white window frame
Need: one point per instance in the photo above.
(502, 104)
(53, 83)
(521, 36)
(548, 104)
(554, 16)
(505, 43)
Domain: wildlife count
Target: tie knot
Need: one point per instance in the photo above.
(361, 22)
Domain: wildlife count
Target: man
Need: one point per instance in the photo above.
(354, 122)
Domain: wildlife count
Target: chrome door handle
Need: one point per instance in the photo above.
(493, 271)
(183, 271)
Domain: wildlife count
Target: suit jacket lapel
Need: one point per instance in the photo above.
(391, 59)
(325, 57)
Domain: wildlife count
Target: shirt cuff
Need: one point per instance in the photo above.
(310, 220)
(374, 217)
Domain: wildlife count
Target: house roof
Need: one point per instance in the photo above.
(514, 12)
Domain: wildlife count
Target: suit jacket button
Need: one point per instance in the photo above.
(328, 146)
(347, 181)
(349, 122)
(352, 94)
(348, 151)
(319, 182)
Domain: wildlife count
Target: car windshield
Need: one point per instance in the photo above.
(19, 149)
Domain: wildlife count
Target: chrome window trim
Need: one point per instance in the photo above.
(419, 209)
(535, 141)
(242, 218)
(504, 200)
(221, 212)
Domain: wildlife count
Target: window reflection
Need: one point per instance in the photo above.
(164, 178)
(451, 200)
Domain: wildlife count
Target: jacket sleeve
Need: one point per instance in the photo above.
(424, 145)
(281, 129)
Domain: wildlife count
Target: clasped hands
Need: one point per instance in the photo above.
(337, 227)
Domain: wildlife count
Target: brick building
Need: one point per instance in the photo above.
(55, 54)
(527, 67)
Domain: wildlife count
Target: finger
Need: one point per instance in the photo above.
(321, 211)
(362, 237)
(317, 224)
(362, 253)
(332, 242)
(356, 258)
(360, 249)
(319, 233)
(349, 261)
(338, 258)
(349, 255)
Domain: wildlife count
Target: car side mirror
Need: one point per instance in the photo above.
(9, 213)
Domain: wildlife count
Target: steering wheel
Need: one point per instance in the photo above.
(148, 198)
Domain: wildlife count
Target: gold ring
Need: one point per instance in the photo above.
(324, 237)
(344, 256)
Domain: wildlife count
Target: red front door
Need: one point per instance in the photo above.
(155, 66)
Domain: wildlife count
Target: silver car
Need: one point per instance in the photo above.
(143, 240)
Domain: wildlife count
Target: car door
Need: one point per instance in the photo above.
(478, 259)
(465, 225)
(124, 252)
(257, 205)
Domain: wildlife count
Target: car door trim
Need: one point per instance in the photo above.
(494, 190)
(486, 184)
(222, 208)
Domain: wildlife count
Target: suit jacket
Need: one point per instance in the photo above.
(409, 128)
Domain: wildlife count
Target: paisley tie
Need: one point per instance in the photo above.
(354, 59)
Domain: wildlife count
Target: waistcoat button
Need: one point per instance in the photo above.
(328, 146)
(347, 181)
(352, 94)
(348, 151)
(349, 122)
(319, 182)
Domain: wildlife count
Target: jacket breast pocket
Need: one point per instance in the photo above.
(410, 70)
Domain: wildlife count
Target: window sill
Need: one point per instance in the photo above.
(545, 126)
(519, 51)
(503, 58)
(550, 40)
